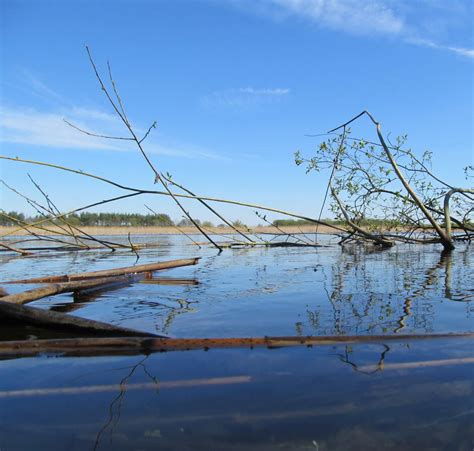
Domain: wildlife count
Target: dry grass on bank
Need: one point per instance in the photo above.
(97, 231)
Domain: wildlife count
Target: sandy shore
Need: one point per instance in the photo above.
(170, 230)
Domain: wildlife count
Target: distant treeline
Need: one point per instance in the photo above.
(93, 219)
(13, 218)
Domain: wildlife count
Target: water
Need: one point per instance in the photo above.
(266, 400)
(278, 291)
(339, 397)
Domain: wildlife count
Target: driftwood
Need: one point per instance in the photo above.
(82, 286)
(150, 267)
(82, 296)
(169, 281)
(7, 247)
(60, 321)
(78, 283)
(146, 345)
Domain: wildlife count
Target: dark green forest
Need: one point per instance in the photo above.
(14, 218)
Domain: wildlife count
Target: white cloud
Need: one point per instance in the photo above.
(46, 127)
(244, 97)
(469, 53)
(38, 128)
(31, 127)
(89, 113)
(407, 20)
(460, 51)
(360, 17)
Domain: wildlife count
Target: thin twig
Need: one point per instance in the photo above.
(95, 134)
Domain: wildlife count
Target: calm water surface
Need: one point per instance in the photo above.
(394, 395)
(278, 291)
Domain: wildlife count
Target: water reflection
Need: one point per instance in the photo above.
(411, 396)
(281, 291)
(397, 295)
(115, 407)
(348, 357)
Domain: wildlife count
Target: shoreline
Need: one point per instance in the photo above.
(153, 230)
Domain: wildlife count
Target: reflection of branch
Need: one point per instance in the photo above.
(431, 277)
(184, 307)
(406, 314)
(113, 420)
(345, 358)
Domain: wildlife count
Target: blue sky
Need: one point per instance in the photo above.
(234, 86)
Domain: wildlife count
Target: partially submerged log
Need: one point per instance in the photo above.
(60, 321)
(146, 345)
(78, 283)
(150, 267)
(232, 245)
(168, 281)
(82, 286)
(8, 247)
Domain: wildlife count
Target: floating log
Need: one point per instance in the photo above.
(150, 267)
(168, 281)
(146, 345)
(8, 247)
(61, 321)
(68, 287)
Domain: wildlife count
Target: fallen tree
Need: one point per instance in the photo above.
(389, 183)
(377, 180)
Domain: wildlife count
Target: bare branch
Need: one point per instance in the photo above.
(95, 134)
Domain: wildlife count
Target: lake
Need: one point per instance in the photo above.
(401, 394)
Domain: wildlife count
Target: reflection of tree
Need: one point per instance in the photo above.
(115, 407)
(364, 298)
(442, 269)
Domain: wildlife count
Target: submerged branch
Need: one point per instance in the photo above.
(146, 345)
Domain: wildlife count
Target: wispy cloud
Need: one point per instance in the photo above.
(415, 23)
(47, 129)
(28, 126)
(38, 88)
(360, 17)
(90, 113)
(244, 97)
(469, 53)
